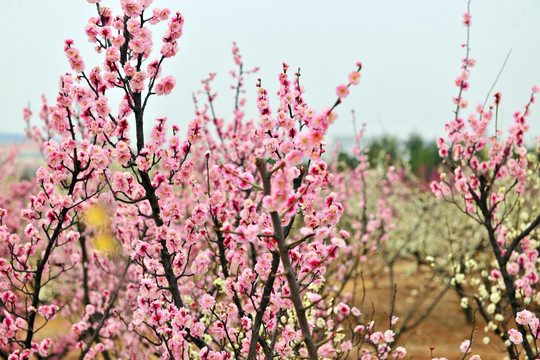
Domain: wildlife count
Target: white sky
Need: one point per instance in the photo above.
(410, 50)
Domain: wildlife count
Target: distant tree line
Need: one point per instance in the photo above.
(419, 155)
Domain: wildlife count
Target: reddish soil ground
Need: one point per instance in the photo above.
(444, 329)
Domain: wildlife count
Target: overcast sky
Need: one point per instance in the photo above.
(410, 50)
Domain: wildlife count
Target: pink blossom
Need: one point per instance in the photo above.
(400, 352)
(48, 311)
(165, 85)
(245, 180)
(294, 157)
(464, 347)
(467, 19)
(376, 337)
(346, 346)
(354, 77)
(359, 328)
(169, 49)
(524, 317)
(326, 350)
(132, 8)
(207, 302)
(343, 308)
(338, 242)
(342, 91)
(515, 336)
(389, 336)
(513, 268)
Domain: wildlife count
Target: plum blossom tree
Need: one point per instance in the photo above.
(493, 178)
(152, 245)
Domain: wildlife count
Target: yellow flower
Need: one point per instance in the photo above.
(97, 216)
(105, 243)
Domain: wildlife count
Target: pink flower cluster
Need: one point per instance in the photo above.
(73, 55)
(486, 171)
(354, 78)
(188, 242)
